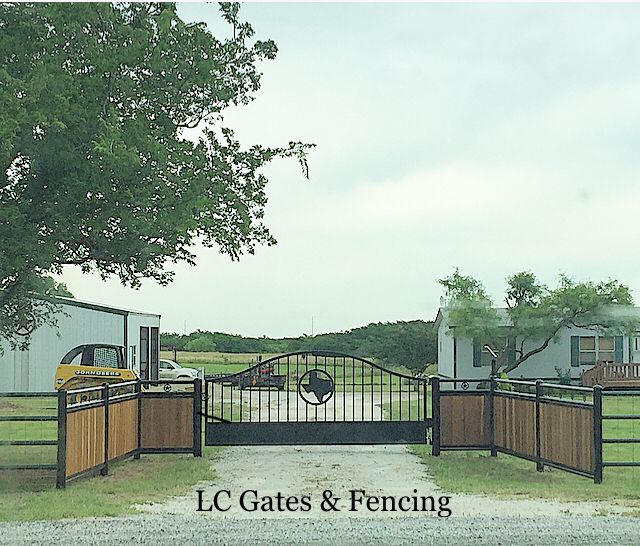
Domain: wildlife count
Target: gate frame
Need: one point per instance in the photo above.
(407, 431)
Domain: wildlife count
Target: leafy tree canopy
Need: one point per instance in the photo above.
(535, 313)
(95, 169)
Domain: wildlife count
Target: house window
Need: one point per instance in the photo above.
(595, 349)
(636, 343)
(499, 347)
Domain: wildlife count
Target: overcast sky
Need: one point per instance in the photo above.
(495, 138)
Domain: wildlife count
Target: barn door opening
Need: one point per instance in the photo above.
(155, 351)
(144, 352)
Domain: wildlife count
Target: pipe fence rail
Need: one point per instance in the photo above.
(88, 429)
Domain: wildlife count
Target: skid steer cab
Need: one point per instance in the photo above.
(92, 366)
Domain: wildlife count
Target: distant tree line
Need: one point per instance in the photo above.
(412, 343)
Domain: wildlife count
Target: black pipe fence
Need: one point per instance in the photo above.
(552, 425)
(88, 429)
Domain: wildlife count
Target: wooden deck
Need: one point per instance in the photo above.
(613, 375)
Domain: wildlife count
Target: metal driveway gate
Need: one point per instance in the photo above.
(316, 397)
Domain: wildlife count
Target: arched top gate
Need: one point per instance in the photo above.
(316, 397)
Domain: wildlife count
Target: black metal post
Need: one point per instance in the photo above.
(492, 425)
(597, 433)
(197, 418)
(539, 465)
(105, 397)
(435, 415)
(61, 473)
(136, 455)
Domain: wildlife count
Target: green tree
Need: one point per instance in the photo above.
(535, 313)
(96, 169)
(203, 343)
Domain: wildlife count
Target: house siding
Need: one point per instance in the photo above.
(542, 365)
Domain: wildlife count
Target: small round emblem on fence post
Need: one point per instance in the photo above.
(167, 387)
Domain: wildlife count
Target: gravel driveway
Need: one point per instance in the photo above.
(388, 470)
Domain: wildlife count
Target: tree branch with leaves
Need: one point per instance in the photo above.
(535, 313)
(96, 169)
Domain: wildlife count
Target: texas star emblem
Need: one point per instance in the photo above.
(316, 387)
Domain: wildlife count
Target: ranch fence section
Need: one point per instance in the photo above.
(81, 432)
(101, 425)
(621, 428)
(28, 431)
(553, 425)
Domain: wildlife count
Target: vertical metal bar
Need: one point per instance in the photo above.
(597, 434)
(297, 381)
(197, 418)
(230, 387)
(61, 472)
(241, 389)
(221, 400)
(105, 469)
(353, 388)
(381, 397)
(400, 397)
(390, 396)
(344, 389)
(306, 369)
(334, 386)
(325, 371)
(492, 417)
(425, 399)
(136, 455)
(361, 391)
(278, 402)
(435, 415)
(371, 382)
(539, 465)
(259, 391)
(315, 365)
(250, 398)
(287, 387)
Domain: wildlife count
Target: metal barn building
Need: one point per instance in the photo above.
(80, 323)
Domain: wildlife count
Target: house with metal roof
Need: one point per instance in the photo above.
(78, 323)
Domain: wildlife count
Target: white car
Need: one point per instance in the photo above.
(168, 369)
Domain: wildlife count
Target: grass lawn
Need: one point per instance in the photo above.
(506, 476)
(32, 496)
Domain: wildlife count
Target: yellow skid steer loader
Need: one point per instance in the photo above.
(92, 366)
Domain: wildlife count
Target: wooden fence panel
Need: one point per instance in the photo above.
(85, 440)
(167, 422)
(464, 420)
(566, 436)
(123, 428)
(515, 424)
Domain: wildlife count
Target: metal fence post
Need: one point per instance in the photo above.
(539, 465)
(492, 422)
(597, 434)
(197, 418)
(61, 472)
(136, 455)
(435, 415)
(105, 398)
